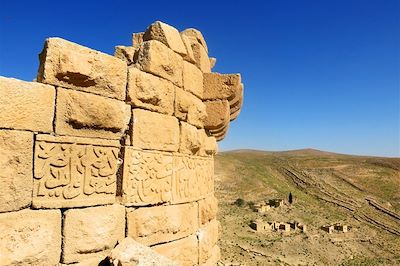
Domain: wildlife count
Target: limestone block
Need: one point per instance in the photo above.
(213, 62)
(137, 39)
(183, 251)
(192, 79)
(91, 230)
(195, 35)
(190, 139)
(30, 237)
(154, 131)
(208, 237)
(218, 114)
(214, 257)
(166, 34)
(221, 86)
(70, 65)
(86, 115)
(209, 144)
(193, 178)
(208, 209)
(125, 53)
(150, 92)
(162, 224)
(190, 55)
(74, 172)
(201, 58)
(147, 177)
(156, 58)
(189, 108)
(16, 155)
(26, 105)
(128, 252)
(93, 259)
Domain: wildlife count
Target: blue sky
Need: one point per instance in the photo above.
(318, 74)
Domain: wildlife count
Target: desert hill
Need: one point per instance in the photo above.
(362, 192)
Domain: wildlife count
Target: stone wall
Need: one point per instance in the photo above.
(103, 147)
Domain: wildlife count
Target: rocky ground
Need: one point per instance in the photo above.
(362, 192)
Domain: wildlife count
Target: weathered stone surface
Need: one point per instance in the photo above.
(162, 224)
(26, 105)
(128, 252)
(209, 144)
(74, 172)
(183, 251)
(166, 34)
(87, 115)
(147, 177)
(190, 55)
(137, 39)
(202, 61)
(91, 230)
(156, 58)
(221, 86)
(150, 92)
(208, 209)
(93, 259)
(69, 65)
(30, 237)
(193, 178)
(195, 35)
(213, 62)
(15, 169)
(192, 79)
(218, 114)
(208, 237)
(191, 141)
(125, 53)
(189, 108)
(214, 257)
(154, 131)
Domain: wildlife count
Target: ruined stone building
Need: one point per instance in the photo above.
(104, 147)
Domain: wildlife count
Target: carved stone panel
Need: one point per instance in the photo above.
(74, 172)
(193, 178)
(147, 177)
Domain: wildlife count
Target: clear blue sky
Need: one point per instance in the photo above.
(318, 73)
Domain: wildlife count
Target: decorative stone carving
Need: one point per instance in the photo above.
(147, 177)
(71, 172)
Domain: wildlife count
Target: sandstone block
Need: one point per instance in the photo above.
(15, 169)
(183, 251)
(193, 178)
(70, 65)
(202, 61)
(221, 86)
(125, 53)
(156, 58)
(213, 62)
(147, 177)
(150, 92)
(196, 36)
(220, 133)
(86, 115)
(162, 224)
(192, 79)
(74, 172)
(189, 108)
(91, 230)
(209, 144)
(191, 141)
(30, 237)
(218, 114)
(26, 105)
(190, 55)
(137, 39)
(208, 237)
(128, 252)
(208, 209)
(214, 257)
(154, 131)
(166, 34)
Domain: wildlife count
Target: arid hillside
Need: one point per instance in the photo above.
(360, 192)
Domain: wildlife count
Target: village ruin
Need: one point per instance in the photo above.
(104, 147)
